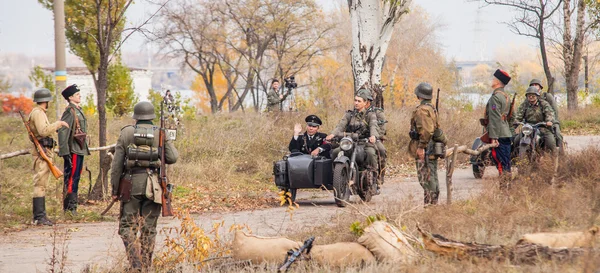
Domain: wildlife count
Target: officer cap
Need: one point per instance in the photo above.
(424, 91)
(313, 120)
(143, 110)
(532, 90)
(536, 81)
(365, 94)
(70, 91)
(42, 95)
(502, 76)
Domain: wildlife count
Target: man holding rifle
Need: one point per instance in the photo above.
(135, 182)
(42, 131)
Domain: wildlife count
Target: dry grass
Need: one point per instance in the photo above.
(584, 121)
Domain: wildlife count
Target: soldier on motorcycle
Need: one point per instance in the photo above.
(363, 123)
(534, 110)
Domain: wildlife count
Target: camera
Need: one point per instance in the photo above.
(290, 82)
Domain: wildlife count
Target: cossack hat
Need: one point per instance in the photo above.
(313, 120)
(70, 91)
(502, 76)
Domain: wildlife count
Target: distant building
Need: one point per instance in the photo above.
(142, 82)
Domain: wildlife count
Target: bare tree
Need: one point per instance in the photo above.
(372, 27)
(532, 21)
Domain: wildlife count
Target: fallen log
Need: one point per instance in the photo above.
(24, 152)
(522, 253)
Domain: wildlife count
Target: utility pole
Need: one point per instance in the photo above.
(60, 70)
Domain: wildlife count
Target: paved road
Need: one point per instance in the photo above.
(99, 243)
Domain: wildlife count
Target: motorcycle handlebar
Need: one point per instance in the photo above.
(543, 123)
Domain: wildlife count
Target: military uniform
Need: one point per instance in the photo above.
(273, 100)
(72, 154)
(496, 112)
(381, 128)
(43, 132)
(138, 158)
(306, 144)
(541, 111)
(423, 125)
(549, 98)
(364, 124)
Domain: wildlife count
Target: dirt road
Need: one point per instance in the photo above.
(99, 243)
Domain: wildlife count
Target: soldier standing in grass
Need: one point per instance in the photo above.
(43, 131)
(496, 112)
(137, 159)
(73, 146)
(423, 134)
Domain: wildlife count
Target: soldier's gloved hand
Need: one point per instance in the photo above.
(421, 153)
(372, 139)
(297, 129)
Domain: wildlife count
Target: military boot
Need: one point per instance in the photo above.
(426, 198)
(39, 212)
(146, 259)
(133, 255)
(70, 204)
(434, 198)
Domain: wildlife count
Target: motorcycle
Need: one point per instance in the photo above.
(350, 173)
(303, 171)
(484, 159)
(531, 145)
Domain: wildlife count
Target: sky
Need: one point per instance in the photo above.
(27, 28)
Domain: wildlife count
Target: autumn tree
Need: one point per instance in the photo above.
(373, 24)
(95, 31)
(533, 20)
(120, 95)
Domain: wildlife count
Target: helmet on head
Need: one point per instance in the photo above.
(424, 91)
(143, 110)
(365, 94)
(42, 95)
(536, 81)
(532, 90)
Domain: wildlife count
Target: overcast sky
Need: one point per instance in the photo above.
(26, 27)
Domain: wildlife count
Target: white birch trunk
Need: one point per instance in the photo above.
(373, 24)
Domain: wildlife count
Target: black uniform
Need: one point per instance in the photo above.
(306, 144)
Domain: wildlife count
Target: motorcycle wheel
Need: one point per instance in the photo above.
(364, 191)
(478, 171)
(341, 192)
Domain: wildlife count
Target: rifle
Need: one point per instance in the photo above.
(512, 108)
(437, 101)
(167, 210)
(293, 255)
(55, 171)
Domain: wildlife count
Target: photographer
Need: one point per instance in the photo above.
(275, 97)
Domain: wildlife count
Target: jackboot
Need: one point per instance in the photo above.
(70, 204)
(146, 259)
(39, 212)
(434, 198)
(426, 198)
(133, 255)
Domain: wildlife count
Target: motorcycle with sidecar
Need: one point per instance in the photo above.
(345, 174)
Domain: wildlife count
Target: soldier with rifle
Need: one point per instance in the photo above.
(427, 142)
(40, 133)
(138, 179)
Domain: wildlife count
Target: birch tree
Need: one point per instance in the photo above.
(372, 28)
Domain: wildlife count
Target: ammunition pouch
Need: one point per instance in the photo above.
(413, 135)
(47, 142)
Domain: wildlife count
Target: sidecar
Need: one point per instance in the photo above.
(302, 171)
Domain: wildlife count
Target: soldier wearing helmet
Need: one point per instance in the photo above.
(534, 110)
(71, 148)
(549, 98)
(362, 122)
(43, 131)
(137, 159)
(423, 127)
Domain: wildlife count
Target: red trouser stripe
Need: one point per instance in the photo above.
(498, 163)
(73, 168)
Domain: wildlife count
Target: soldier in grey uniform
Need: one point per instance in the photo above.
(549, 98)
(43, 131)
(496, 122)
(535, 110)
(137, 158)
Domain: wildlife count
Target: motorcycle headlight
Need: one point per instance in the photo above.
(346, 144)
(527, 129)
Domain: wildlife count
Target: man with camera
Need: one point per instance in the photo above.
(275, 97)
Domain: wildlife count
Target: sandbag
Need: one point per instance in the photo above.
(562, 239)
(261, 249)
(387, 243)
(341, 254)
